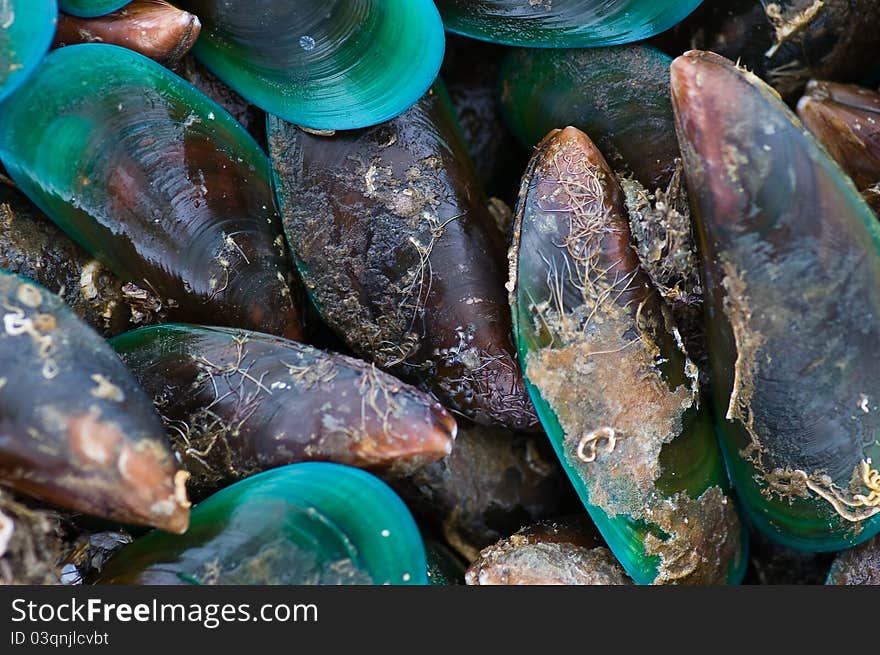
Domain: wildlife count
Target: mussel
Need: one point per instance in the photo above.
(606, 369)
(157, 182)
(846, 119)
(399, 253)
(791, 266)
(619, 96)
(151, 27)
(75, 429)
(26, 29)
(323, 64)
(238, 402)
(563, 23)
(310, 523)
(565, 551)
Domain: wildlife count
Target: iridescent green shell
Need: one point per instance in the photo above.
(310, 523)
(323, 64)
(157, 182)
(618, 96)
(26, 30)
(90, 8)
(791, 267)
(563, 23)
(611, 385)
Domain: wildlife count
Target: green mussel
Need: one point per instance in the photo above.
(157, 182)
(323, 64)
(791, 266)
(26, 29)
(563, 23)
(75, 429)
(238, 402)
(605, 367)
(302, 524)
(619, 96)
(846, 119)
(399, 253)
(90, 8)
(565, 551)
(153, 28)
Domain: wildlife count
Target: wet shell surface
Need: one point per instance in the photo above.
(157, 182)
(791, 265)
(236, 403)
(75, 429)
(303, 524)
(323, 64)
(563, 23)
(614, 391)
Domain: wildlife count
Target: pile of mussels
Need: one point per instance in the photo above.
(269, 298)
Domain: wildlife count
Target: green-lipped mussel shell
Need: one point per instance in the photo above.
(846, 119)
(153, 28)
(26, 29)
(791, 265)
(239, 402)
(617, 397)
(323, 64)
(90, 8)
(563, 23)
(75, 429)
(618, 96)
(400, 255)
(309, 523)
(156, 181)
